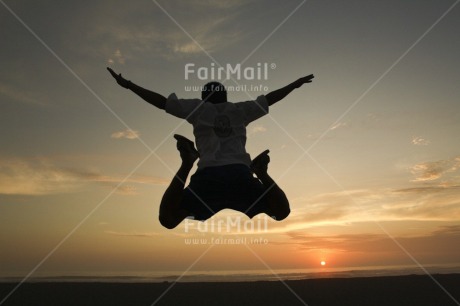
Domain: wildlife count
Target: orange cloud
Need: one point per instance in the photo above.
(442, 243)
(429, 171)
(133, 234)
(128, 134)
(40, 176)
(419, 141)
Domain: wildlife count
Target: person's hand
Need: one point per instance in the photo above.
(301, 81)
(120, 80)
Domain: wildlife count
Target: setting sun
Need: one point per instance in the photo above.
(323, 263)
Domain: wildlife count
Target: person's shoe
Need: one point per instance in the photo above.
(259, 164)
(187, 150)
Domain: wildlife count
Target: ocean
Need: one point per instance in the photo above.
(231, 276)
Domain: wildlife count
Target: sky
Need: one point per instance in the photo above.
(368, 154)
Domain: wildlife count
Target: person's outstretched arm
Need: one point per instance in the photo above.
(151, 97)
(279, 94)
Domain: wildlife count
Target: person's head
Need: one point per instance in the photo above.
(214, 92)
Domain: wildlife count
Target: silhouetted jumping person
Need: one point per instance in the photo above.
(225, 174)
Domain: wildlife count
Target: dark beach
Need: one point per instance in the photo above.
(390, 290)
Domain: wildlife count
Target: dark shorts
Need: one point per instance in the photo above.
(231, 186)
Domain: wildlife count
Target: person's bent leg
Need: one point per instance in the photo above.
(171, 212)
(277, 202)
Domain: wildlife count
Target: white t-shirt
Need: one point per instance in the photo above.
(219, 129)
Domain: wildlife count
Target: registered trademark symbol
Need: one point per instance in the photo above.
(272, 65)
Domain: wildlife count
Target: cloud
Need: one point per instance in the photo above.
(128, 134)
(40, 176)
(341, 205)
(423, 200)
(217, 4)
(134, 234)
(425, 203)
(419, 141)
(127, 190)
(190, 47)
(20, 95)
(34, 177)
(137, 179)
(443, 240)
(117, 57)
(449, 230)
(147, 29)
(212, 34)
(422, 203)
(430, 171)
(256, 129)
(424, 190)
(337, 243)
(338, 126)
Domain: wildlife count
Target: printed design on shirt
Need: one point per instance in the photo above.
(222, 126)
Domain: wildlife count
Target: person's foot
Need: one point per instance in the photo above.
(259, 165)
(187, 150)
